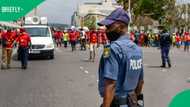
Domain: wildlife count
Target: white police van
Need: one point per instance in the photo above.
(41, 37)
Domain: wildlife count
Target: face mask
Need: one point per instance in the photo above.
(112, 36)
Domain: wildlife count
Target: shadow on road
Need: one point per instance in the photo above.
(86, 60)
(153, 66)
(12, 68)
(15, 68)
(32, 58)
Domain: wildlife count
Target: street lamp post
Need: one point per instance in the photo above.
(129, 12)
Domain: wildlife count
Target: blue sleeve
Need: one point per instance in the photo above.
(111, 64)
(141, 77)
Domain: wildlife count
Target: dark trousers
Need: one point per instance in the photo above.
(73, 45)
(65, 44)
(186, 46)
(165, 55)
(83, 44)
(23, 54)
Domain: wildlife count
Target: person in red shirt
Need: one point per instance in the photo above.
(141, 39)
(93, 45)
(186, 41)
(58, 38)
(178, 40)
(24, 42)
(132, 36)
(8, 39)
(73, 39)
(1, 32)
(102, 38)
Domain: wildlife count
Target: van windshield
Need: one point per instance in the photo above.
(38, 32)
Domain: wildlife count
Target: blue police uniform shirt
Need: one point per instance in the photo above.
(123, 63)
(165, 40)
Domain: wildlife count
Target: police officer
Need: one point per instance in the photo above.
(165, 43)
(121, 65)
(24, 42)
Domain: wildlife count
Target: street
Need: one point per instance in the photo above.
(70, 80)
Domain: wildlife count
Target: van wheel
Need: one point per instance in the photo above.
(52, 56)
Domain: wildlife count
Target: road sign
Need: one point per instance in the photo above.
(12, 10)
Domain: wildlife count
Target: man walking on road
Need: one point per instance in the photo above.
(186, 41)
(73, 39)
(8, 39)
(24, 42)
(93, 44)
(65, 38)
(121, 66)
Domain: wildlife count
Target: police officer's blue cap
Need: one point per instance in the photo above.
(117, 15)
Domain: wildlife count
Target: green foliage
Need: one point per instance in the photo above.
(151, 8)
(90, 22)
(155, 9)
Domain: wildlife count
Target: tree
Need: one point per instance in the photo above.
(125, 3)
(90, 22)
(154, 9)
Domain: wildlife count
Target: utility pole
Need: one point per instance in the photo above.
(129, 12)
(187, 16)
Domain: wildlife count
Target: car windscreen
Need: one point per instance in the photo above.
(38, 32)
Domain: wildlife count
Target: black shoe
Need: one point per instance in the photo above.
(24, 67)
(169, 65)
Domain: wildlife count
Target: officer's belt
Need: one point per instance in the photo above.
(120, 100)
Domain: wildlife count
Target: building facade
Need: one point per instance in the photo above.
(99, 10)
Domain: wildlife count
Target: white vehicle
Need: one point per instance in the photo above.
(41, 37)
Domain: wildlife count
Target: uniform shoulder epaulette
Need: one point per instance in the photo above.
(106, 52)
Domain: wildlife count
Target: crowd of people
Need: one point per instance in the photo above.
(148, 39)
(10, 39)
(87, 39)
(92, 39)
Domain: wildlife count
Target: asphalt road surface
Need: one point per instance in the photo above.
(70, 80)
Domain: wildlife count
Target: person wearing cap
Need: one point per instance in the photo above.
(24, 42)
(165, 44)
(8, 39)
(121, 65)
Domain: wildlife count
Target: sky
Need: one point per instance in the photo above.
(183, 1)
(60, 11)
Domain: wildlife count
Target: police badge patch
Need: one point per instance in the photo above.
(106, 53)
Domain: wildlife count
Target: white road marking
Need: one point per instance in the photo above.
(86, 72)
(164, 70)
(81, 68)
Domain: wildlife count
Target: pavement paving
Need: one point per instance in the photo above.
(70, 80)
